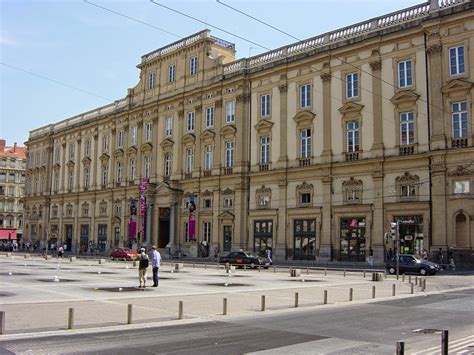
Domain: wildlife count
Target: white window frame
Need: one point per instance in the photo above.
(57, 155)
(208, 157)
(193, 65)
(171, 73)
(86, 178)
(228, 202)
(352, 85)
(133, 169)
(118, 177)
(105, 174)
(461, 187)
(146, 166)
(405, 74)
(265, 105)
(305, 143)
(407, 128)
(407, 190)
(190, 121)
(148, 131)
(457, 63)
(189, 160)
(229, 154)
(168, 162)
(70, 181)
(352, 134)
(105, 143)
(72, 148)
(459, 118)
(169, 126)
(305, 96)
(209, 117)
(264, 149)
(120, 138)
(133, 135)
(87, 148)
(151, 80)
(206, 231)
(230, 112)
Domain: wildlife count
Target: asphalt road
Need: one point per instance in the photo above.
(363, 328)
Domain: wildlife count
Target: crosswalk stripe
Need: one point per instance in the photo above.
(455, 345)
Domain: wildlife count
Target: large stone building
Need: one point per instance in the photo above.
(12, 190)
(312, 149)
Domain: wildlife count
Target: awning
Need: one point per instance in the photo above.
(8, 234)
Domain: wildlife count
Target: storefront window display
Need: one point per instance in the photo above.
(305, 239)
(411, 234)
(352, 239)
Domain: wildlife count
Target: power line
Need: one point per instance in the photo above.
(208, 24)
(56, 82)
(131, 18)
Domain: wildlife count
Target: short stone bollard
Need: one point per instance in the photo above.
(295, 272)
(351, 294)
(2, 322)
(325, 299)
(400, 348)
(364, 274)
(193, 265)
(416, 280)
(72, 259)
(262, 303)
(307, 271)
(129, 314)
(9, 255)
(376, 276)
(424, 285)
(224, 307)
(325, 272)
(412, 288)
(205, 266)
(134, 263)
(27, 256)
(180, 310)
(101, 261)
(344, 272)
(274, 269)
(178, 267)
(373, 291)
(409, 279)
(393, 289)
(403, 277)
(70, 319)
(296, 299)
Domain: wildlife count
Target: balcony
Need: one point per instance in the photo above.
(353, 156)
(407, 149)
(304, 161)
(188, 175)
(228, 171)
(207, 172)
(459, 143)
(264, 167)
(166, 178)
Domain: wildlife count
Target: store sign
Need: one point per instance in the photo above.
(408, 237)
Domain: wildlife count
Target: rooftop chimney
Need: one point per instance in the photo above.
(14, 147)
(2, 145)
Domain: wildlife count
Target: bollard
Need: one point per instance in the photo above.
(424, 285)
(205, 266)
(411, 289)
(307, 271)
(403, 278)
(364, 274)
(245, 267)
(344, 272)
(129, 314)
(325, 272)
(409, 279)
(70, 319)
(400, 347)
(393, 289)
(325, 301)
(259, 268)
(224, 307)
(373, 291)
(296, 299)
(416, 280)
(351, 294)
(2, 322)
(180, 310)
(262, 303)
(274, 269)
(193, 265)
(444, 342)
(134, 263)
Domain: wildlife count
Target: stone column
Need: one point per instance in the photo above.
(438, 135)
(95, 163)
(240, 221)
(172, 244)
(281, 242)
(327, 149)
(325, 249)
(179, 160)
(283, 157)
(198, 123)
(62, 171)
(377, 146)
(216, 227)
(113, 166)
(378, 217)
(242, 120)
(439, 196)
(149, 222)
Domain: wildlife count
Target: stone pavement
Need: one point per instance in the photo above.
(35, 294)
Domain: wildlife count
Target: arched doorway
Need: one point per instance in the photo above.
(461, 230)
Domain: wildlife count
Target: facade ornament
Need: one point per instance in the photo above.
(461, 171)
(264, 190)
(352, 182)
(326, 77)
(227, 191)
(305, 187)
(244, 97)
(407, 178)
(433, 49)
(218, 103)
(283, 88)
(376, 65)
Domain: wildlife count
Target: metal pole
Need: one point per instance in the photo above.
(424, 284)
(444, 342)
(296, 299)
(403, 278)
(351, 294)
(129, 314)
(393, 289)
(180, 310)
(373, 291)
(2, 322)
(398, 250)
(409, 279)
(262, 303)
(70, 319)
(400, 347)
(325, 301)
(416, 280)
(224, 311)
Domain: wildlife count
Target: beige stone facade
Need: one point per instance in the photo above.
(311, 150)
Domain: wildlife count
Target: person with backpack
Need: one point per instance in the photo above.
(143, 262)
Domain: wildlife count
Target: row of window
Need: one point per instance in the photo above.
(12, 163)
(9, 221)
(12, 177)
(193, 69)
(10, 191)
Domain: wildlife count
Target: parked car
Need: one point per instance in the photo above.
(242, 258)
(123, 254)
(411, 264)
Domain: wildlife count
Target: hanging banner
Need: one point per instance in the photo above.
(142, 188)
(132, 226)
(192, 219)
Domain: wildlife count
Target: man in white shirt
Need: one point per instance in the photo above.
(155, 261)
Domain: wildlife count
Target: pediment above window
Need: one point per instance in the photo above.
(264, 126)
(207, 193)
(457, 85)
(304, 187)
(116, 220)
(351, 109)
(461, 171)
(86, 160)
(407, 178)
(166, 143)
(132, 150)
(104, 157)
(227, 191)
(264, 190)
(304, 118)
(189, 138)
(208, 135)
(146, 147)
(228, 131)
(404, 97)
(118, 152)
(352, 183)
(227, 216)
(70, 164)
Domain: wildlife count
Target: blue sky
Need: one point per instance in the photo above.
(86, 47)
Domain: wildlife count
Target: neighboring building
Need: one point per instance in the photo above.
(12, 191)
(311, 150)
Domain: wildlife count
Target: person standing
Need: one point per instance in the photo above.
(452, 265)
(143, 262)
(60, 252)
(370, 259)
(441, 258)
(156, 262)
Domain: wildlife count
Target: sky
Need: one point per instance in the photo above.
(94, 53)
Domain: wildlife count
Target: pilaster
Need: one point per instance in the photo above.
(377, 146)
(283, 157)
(326, 79)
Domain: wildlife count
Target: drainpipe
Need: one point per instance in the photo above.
(428, 111)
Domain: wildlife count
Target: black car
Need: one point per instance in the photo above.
(241, 258)
(412, 264)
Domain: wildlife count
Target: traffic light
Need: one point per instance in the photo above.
(393, 230)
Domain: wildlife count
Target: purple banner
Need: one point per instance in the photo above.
(132, 227)
(192, 227)
(142, 189)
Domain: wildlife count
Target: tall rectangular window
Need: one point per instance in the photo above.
(133, 135)
(206, 231)
(230, 112)
(167, 164)
(86, 178)
(120, 138)
(352, 132)
(193, 65)
(118, 177)
(171, 73)
(305, 143)
(146, 166)
(151, 80)
(57, 154)
(70, 181)
(189, 160)
(169, 126)
(208, 157)
(459, 119)
(209, 117)
(105, 144)
(264, 105)
(456, 60)
(407, 128)
(133, 169)
(71, 151)
(88, 148)
(148, 131)
(56, 182)
(265, 149)
(229, 154)
(105, 174)
(405, 78)
(352, 85)
(190, 122)
(305, 96)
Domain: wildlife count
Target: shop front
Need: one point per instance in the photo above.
(304, 239)
(352, 239)
(410, 229)
(263, 236)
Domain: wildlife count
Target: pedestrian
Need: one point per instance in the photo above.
(60, 252)
(156, 262)
(452, 265)
(441, 258)
(143, 262)
(390, 254)
(424, 254)
(370, 259)
(269, 255)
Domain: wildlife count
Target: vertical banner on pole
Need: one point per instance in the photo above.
(142, 190)
(192, 219)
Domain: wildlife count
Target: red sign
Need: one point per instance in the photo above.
(8, 234)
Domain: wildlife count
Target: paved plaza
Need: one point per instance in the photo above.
(36, 294)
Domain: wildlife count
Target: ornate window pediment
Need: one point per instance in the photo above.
(264, 126)
(461, 171)
(166, 143)
(404, 97)
(352, 190)
(70, 164)
(407, 187)
(208, 135)
(227, 215)
(189, 138)
(228, 131)
(304, 118)
(407, 178)
(304, 194)
(305, 187)
(227, 191)
(132, 150)
(86, 160)
(263, 197)
(351, 109)
(207, 193)
(118, 152)
(104, 157)
(146, 147)
(457, 85)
